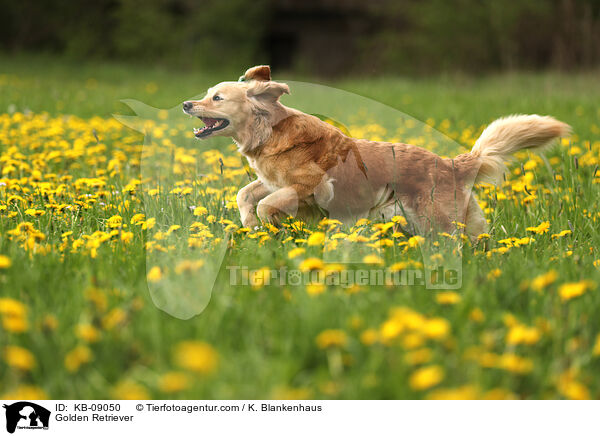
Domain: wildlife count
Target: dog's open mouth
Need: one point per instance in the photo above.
(211, 125)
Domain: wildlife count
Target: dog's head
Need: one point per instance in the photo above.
(245, 110)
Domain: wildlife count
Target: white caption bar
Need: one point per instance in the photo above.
(299, 417)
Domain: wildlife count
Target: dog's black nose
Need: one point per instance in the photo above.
(187, 105)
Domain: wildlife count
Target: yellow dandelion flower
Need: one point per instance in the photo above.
(5, 262)
(568, 291)
(155, 274)
(510, 320)
(467, 392)
(76, 357)
(399, 266)
(316, 239)
(477, 315)
(339, 235)
(137, 218)
(312, 263)
(129, 390)
(361, 222)
(426, 377)
(97, 297)
(50, 322)
(530, 164)
(415, 241)
(259, 278)
(413, 340)
(544, 280)
(521, 334)
(514, 363)
(173, 382)
(114, 221)
(200, 211)
(34, 212)
(436, 328)
(373, 259)
(391, 329)
(540, 229)
(126, 237)
(15, 324)
(87, 332)
(459, 225)
(25, 392)
(295, 252)
(448, 298)
(196, 356)
(354, 289)
(399, 219)
(186, 266)
(12, 308)
(114, 318)
(596, 350)
(418, 357)
(173, 228)
(369, 337)
(571, 388)
(331, 338)
(19, 357)
(494, 274)
(315, 288)
(561, 234)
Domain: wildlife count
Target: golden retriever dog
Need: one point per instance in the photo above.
(307, 167)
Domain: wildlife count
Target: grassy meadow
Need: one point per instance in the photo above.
(91, 242)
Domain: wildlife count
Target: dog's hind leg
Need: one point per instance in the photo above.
(475, 220)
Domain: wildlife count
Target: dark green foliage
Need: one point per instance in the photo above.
(331, 38)
(205, 33)
(476, 35)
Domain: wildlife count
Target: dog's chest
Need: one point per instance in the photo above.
(267, 173)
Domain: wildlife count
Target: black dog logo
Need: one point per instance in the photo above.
(24, 414)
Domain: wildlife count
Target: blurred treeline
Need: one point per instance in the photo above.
(326, 37)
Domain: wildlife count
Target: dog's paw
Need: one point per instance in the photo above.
(250, 221)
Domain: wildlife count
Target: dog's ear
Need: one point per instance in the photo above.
(261, 73)
(268, 90)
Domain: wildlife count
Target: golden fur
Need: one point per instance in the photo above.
(307, 167)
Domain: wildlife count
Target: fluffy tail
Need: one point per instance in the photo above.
(508, 135)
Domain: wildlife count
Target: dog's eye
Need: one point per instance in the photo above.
(217, 98)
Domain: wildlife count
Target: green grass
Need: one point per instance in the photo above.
(265, 338)
(96, 89)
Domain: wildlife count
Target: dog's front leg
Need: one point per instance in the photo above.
(247, 199)
(281, 203)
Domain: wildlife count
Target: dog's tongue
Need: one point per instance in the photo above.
(209, 121)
